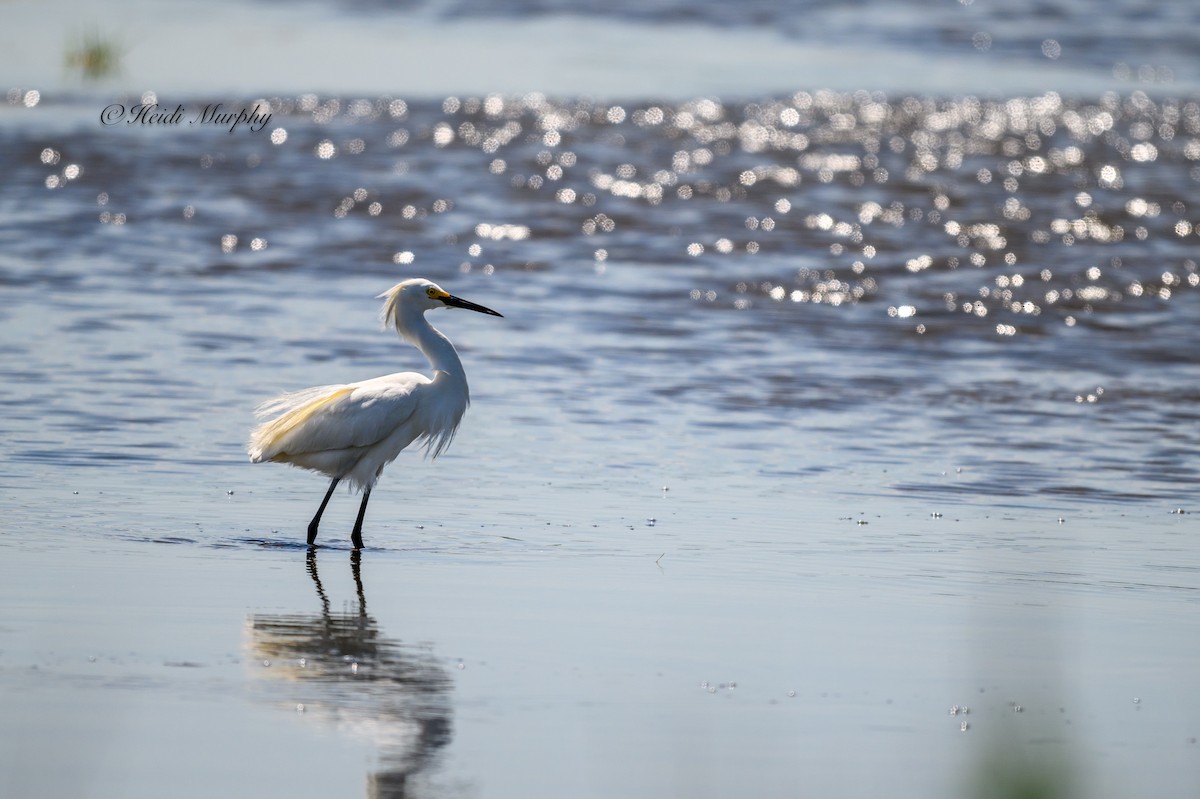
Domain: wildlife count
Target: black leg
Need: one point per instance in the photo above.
(356, 535)
(312, 526)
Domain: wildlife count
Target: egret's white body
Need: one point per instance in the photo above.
(351, 431)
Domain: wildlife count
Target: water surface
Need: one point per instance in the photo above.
(833, 442)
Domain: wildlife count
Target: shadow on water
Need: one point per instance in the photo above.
(340, 668)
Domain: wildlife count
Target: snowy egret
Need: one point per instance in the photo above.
(351, 431)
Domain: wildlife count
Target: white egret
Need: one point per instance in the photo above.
(351, 431)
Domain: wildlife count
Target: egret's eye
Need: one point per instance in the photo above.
(432, 293)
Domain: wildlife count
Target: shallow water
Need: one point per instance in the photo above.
(832, 442)
(983, 296)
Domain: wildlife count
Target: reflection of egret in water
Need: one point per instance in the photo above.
(341, 669)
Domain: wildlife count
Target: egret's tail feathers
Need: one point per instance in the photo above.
(270, 439)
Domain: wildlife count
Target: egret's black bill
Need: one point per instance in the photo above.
(456, 302)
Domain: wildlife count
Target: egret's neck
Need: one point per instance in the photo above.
(414, 328)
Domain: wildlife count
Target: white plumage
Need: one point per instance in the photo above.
(351, 431)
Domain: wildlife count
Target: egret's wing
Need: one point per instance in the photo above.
(286, 403)
(335, 417)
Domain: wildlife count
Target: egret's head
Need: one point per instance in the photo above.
(419, 294)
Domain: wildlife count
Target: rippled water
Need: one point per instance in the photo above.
(812, 416)
(1002, 287)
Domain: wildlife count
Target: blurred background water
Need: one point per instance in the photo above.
(848, 378)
